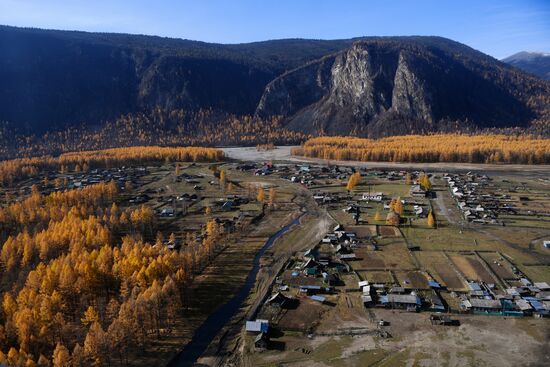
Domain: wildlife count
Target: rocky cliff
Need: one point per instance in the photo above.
(402, 85)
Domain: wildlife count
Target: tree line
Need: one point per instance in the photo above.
(431, 148)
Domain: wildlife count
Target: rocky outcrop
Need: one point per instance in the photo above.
(392, 86)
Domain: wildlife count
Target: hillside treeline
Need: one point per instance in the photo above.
(431, 148)
(157, 127)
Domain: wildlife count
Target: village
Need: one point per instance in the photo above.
(399, 250)
(408, 242)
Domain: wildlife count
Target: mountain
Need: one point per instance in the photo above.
(537, 63)
(55, 80)
(398, 85)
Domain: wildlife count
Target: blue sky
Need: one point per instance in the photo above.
(496, 27)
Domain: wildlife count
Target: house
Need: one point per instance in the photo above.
(397, 290)
(524, 306)
(228, 205)
(319, 299)
(419, 211)
(417, 191)
(261, 342)
(436, 302)
(375, 196)
(278, 300)
(313, 289)
(482, 305)
(167, 212)
(409, 302)
(258, 326)
(366, 299)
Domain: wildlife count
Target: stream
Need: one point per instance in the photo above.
(218, 319)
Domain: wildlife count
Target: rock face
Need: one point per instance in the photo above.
(395, 86)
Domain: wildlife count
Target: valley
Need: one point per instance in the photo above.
(275, 183)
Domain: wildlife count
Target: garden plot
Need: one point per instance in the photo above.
(499, 265)
(304, 317)
(472, 268)
(383, 277)
(412, 279)
(363, 231)
(439, 267)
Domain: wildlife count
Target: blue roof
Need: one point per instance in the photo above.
(537, 305)
(474, 286)
(434, 284)
(383, 299)
(318, 298)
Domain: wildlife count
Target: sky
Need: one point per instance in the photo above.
(497, 27)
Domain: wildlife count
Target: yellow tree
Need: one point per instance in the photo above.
(90, 316)
(393, 218)
(272, 195)
(223, 179)
(431, 220)
(61, 356)
(425, 182)
(261, 195)
(95, 344)
(353, 181)
(408, 179)
(398, 206)
(377, 216)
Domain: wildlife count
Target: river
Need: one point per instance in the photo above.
(216, 321)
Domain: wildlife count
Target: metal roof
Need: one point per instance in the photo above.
(260, 326)
(318, 298)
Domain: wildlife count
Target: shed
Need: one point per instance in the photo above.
(318, 298)
(258, 326)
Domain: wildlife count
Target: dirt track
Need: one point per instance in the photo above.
(282, 153)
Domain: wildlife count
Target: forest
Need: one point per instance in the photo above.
(157, 127)
(431, 148)
(85, 281)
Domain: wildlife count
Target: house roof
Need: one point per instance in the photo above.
(261, 326)
(318, 298)
(483, 303)
(404, 298)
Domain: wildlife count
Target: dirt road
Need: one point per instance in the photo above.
(282, 153)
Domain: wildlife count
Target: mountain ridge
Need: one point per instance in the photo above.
(537, 63)
(54, 80)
